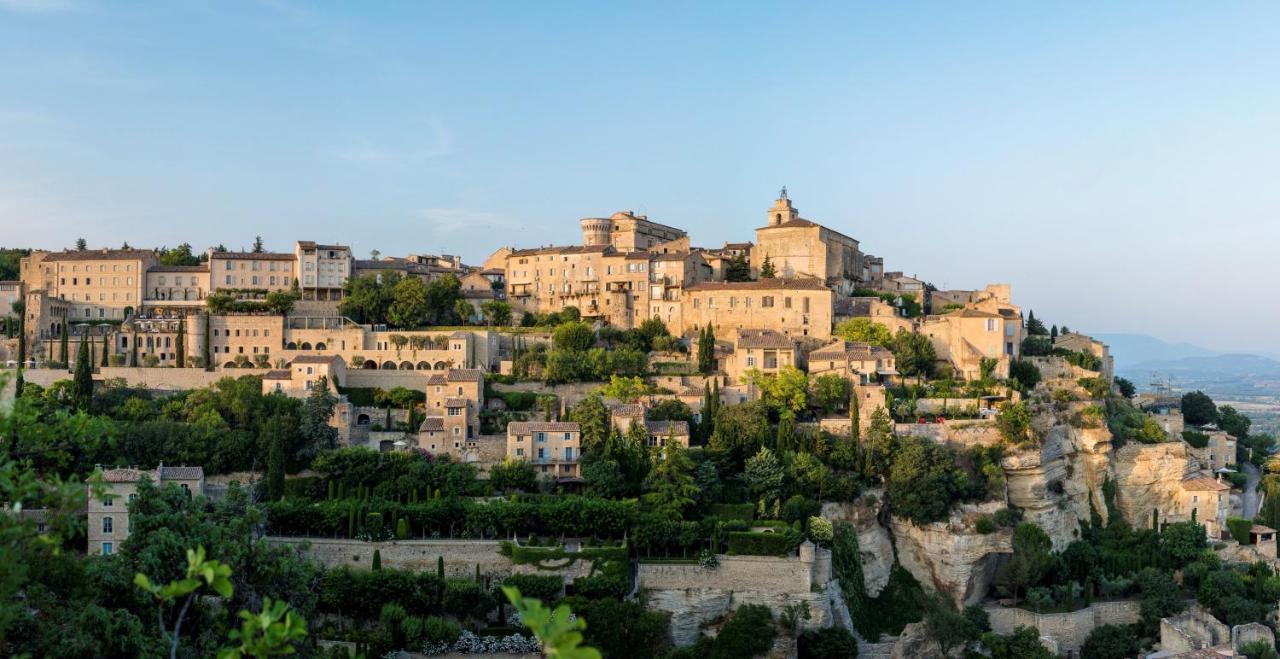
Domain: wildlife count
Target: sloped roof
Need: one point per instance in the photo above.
(431, 423)
(524, 427)
(464, 375)
(808, 283)
(855, 350)
(455, 402)
(122, 475)
(763, 338)
(278, 375)
(1204, 484)
(255, 256)
(436, 378)
(181, 473)
(179, 268)
(567, 249)
(316, 359)
(628, 410)
(677, 428)
(100, 255)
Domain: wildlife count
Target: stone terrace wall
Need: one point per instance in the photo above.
(460, 556)
(416, 380)
(156, 379)
(768, 573)
(1068, 630)
(962, 432)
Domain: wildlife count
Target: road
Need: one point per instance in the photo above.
(1249, 500)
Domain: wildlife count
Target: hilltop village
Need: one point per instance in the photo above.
(768, 448)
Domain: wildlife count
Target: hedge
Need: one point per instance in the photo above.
(359, 396)
(761, 544)
(360, 594)
(1239, 528)
(740, 511)
(573, 516)
(544, 587)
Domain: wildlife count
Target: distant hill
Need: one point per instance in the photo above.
(1133, 349)
(1237, 375)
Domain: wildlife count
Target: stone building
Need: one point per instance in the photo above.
(237, 339)
(554, 447)
(873, 309)
(798, 248)
(96, 284)
(109, 514)
(305, 374)
(965, 337)
(322, 269)
(1082, 343)
(1218, 453)
(861, 363)
(625, 231)
(241, 273)
(453, 404)
(1208, 497)
(11, 292)
(793, 307)
(626, 416)
(177, 283)
(765, 350)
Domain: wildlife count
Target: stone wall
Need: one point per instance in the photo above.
(416, 380)
(784, 575)
(961, 432)
(460, 556)
(1195, 629)
(155, 379)
(1068, 630)
(1242, 635)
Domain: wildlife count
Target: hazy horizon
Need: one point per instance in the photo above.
(1112, 163)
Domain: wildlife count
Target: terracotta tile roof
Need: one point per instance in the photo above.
(254, 256)
(181, 473)
(971, 313)
(312, 244)
(525, 427)
(493, 271)
(677, 428)
(436, 378)
(671, 256)
(763, 338)
(854, 306)
(455, 402)
(738, 245)
(432, 423)
(1258, 528)
(567, 249)
(316, 359)
(628, 410)
(179, 268)
(1204, 484)
(806, 284)
(101, 255)
(465, 375)
(122, 475)
(855, 350)
(278, 375)
(478, 295)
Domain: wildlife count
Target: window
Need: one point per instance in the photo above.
(568, 437)
(991, 324)
(106, 525)
(540, 436)
(542, 453)
(108, 501)
(766, 301)
(786, 303)
(455, 411)
(106, 549)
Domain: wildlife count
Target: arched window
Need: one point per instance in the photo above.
(362, 420)
(370, 365)
(305, 345)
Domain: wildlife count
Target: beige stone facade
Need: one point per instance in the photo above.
(764, 350)
(305, 374)
(177, 283)
(233, 272)
(96, 284)
(1080, 342)
(1208, 497)
(322, 269)
(627, 232)
(861, 363)
(965, 337)
(255, 337)
(554, 447)
(798, 248)
(453, 404)
(793, 307)
(108, 514)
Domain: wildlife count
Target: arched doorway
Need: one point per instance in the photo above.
(320, 346)
(406, 366)
(370, 365)
(424, 366)
(305, 345)
(362, 420)
(388, 366)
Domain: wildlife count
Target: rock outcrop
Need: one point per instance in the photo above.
(874, 543)
(950, 558)
(1054, 485)
(1148, 477)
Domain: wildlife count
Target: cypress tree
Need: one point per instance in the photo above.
(351, 522)
(22, 337)
(82, 382)
(402, 529)
(208, 362)
(1155, 519)
(440, 568)
(377, 559)
(63, 355)
(332, 490)
(704, 428)
(477, 573)
(275, 460)
(181, 345)
(133, 352)
(106, 351)
(855, 432)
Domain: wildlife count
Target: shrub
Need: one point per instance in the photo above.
(1007, 518)
(738, 511)
(1098, 388)
(463, 597)
(544, 587)
(599, 586)
(1239, 528)
(984, 525)
(1111, 642)
(751, 543)
(827, 643)
(750, 632)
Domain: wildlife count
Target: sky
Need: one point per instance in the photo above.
(1115, 162)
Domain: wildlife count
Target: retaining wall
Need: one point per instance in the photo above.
(1068, 630)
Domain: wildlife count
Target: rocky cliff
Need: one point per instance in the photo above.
(950, 558)
(1147, 477)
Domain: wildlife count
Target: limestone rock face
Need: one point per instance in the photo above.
(1148, 476)
(951, 559)
(874, 543)
(914, 643)
(693, 608)
(1072, 459)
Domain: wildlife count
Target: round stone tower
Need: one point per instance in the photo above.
(596, 231)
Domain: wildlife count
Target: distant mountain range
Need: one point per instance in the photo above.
(1143, 359)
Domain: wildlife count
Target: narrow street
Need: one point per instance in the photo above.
(1250, 499)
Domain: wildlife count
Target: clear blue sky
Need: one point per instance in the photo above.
(1116, 162)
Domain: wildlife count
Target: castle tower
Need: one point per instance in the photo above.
(782, 210)
(596, 231)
